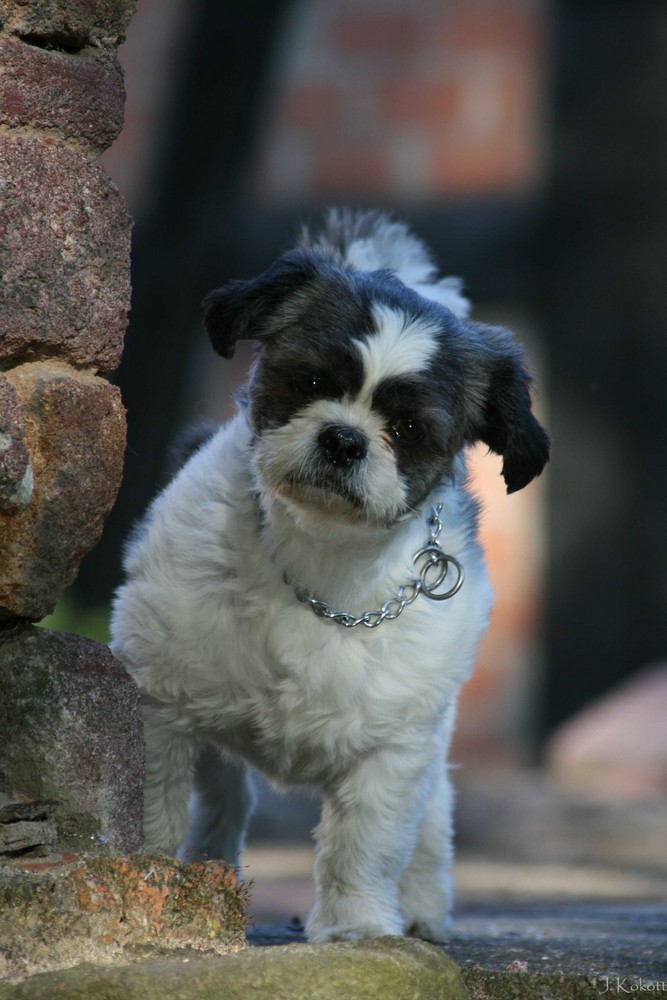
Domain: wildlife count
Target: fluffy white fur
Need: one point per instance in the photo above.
(401, 347)
(233, 667)
(393, 246)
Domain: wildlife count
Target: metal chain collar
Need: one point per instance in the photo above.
(433, 560)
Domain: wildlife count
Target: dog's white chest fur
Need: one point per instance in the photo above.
(295, 694)
(368, 385)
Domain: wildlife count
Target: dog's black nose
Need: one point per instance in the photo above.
(342, 445)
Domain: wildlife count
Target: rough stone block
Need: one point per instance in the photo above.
(16, 476)
(64, 257)
(75, 436)
(69, 24)
(79, 97)
(25, 826)
(105, 909)
(385, 969)
(71, 732)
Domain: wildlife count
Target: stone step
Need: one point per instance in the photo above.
(566, 951)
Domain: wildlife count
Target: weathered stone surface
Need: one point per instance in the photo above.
(25, 835)
(24, 810)
(25, 826)
(385, 969)
(56, 915)
(16, 476)
(64, 256)
(79, 97)
(70, 24)
(75, 436)
(71, 732)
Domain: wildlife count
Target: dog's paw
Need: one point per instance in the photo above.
(326, 935)
(435, 931)
(323, 926)
(425, 904)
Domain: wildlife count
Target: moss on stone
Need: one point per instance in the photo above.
(115, 909)
(385, 969)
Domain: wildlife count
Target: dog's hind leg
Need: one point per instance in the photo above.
(171, 753)
(220, 805)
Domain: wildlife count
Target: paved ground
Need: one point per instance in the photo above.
(604, 926)
(591, 939)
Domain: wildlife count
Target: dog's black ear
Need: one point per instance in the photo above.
(507, 423)
(251, 310)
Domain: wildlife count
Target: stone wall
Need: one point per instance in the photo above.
(69, 725)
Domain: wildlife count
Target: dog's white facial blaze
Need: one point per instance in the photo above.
(401, 346)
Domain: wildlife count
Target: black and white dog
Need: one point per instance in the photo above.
(308, 593)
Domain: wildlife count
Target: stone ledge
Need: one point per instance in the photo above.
(504, 951)
(386, 969)
(60, 911)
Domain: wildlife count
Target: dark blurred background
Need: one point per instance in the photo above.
(526, 142)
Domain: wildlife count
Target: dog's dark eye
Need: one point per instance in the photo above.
(408, 430)
(307, 383)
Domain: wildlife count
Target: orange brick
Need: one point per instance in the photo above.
(507, 26)
(520, 86)
(412, 101)
(312, 106)
(368, 33)
(349, 170)
(487, 168)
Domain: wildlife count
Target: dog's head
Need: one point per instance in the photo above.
(364, 392)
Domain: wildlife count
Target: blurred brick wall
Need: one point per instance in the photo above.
(391, 99)
(401, 101)
(149, 56)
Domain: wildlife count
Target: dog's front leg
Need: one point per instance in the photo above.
(366, 836)
(425, 883)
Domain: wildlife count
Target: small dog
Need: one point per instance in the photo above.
(308, 592)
